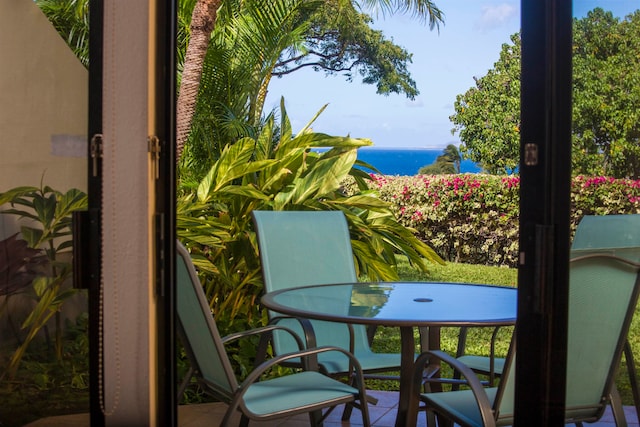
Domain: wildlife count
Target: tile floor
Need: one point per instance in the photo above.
(382, 415)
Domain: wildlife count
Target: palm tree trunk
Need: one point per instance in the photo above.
(258, 105)
(203, 21)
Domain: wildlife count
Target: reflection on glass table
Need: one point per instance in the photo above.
(401, 304)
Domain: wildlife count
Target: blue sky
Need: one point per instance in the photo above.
(444, 64)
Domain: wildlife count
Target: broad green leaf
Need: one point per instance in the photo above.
(324, 178)
(275, 180)
(229, 168)
(364, 202)
(313, 119)
(64, 245)
(17, 192)
(63, 296)
(320, 140)
(40, 285)
(265, 140)
(33, 236)
(244, 191)
(45, 208)
(69, 202)
(25, 214)
(285, 125)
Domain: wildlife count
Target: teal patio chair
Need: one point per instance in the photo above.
(618, 235)
(490, 366)
(305, 391)
(615, 234)
(602, 298)
(302, 248)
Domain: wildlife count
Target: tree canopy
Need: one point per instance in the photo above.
(488, 115)
(333, 36)
(340, 41)
(606, 102)
(255, 40)
(446, 163)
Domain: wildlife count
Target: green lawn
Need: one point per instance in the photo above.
(388, 339)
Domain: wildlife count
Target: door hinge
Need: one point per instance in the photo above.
(95, 151)
(531, 154)
(155, 149)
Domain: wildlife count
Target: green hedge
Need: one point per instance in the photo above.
(473, 218)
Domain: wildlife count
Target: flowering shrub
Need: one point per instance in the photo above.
(603, 196)
(473, 218)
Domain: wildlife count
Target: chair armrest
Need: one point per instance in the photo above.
(264, 330)
(305, 324)
(309, 334)
(472, 380)
(266, 335)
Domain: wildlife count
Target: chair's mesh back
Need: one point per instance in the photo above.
(616, 234)
(508, 385)
(307, 248)
(601, 296)
(198, 331)
(304, 248)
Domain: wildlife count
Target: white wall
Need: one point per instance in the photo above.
(43, 103)
(43, 121)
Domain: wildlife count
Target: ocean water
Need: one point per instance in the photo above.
(406, 161)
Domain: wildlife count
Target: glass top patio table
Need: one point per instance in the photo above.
(402, 304)
(399, 303)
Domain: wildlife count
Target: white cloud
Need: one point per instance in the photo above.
(494, 16)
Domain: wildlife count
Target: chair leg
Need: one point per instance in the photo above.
(316, 418)
(431, 419)
(184, 384)
(617, 409)
(244, 421)
(435, 420)
(346, 414)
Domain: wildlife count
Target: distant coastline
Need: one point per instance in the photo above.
(406, 161)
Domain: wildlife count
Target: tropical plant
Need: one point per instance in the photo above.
(327, 35)
(606, 102)
(19, 265)
(473, 218)
(244, 49)
(606, 106)
(446, 163)
(487, 116)
(46, 224)
(215, 222)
